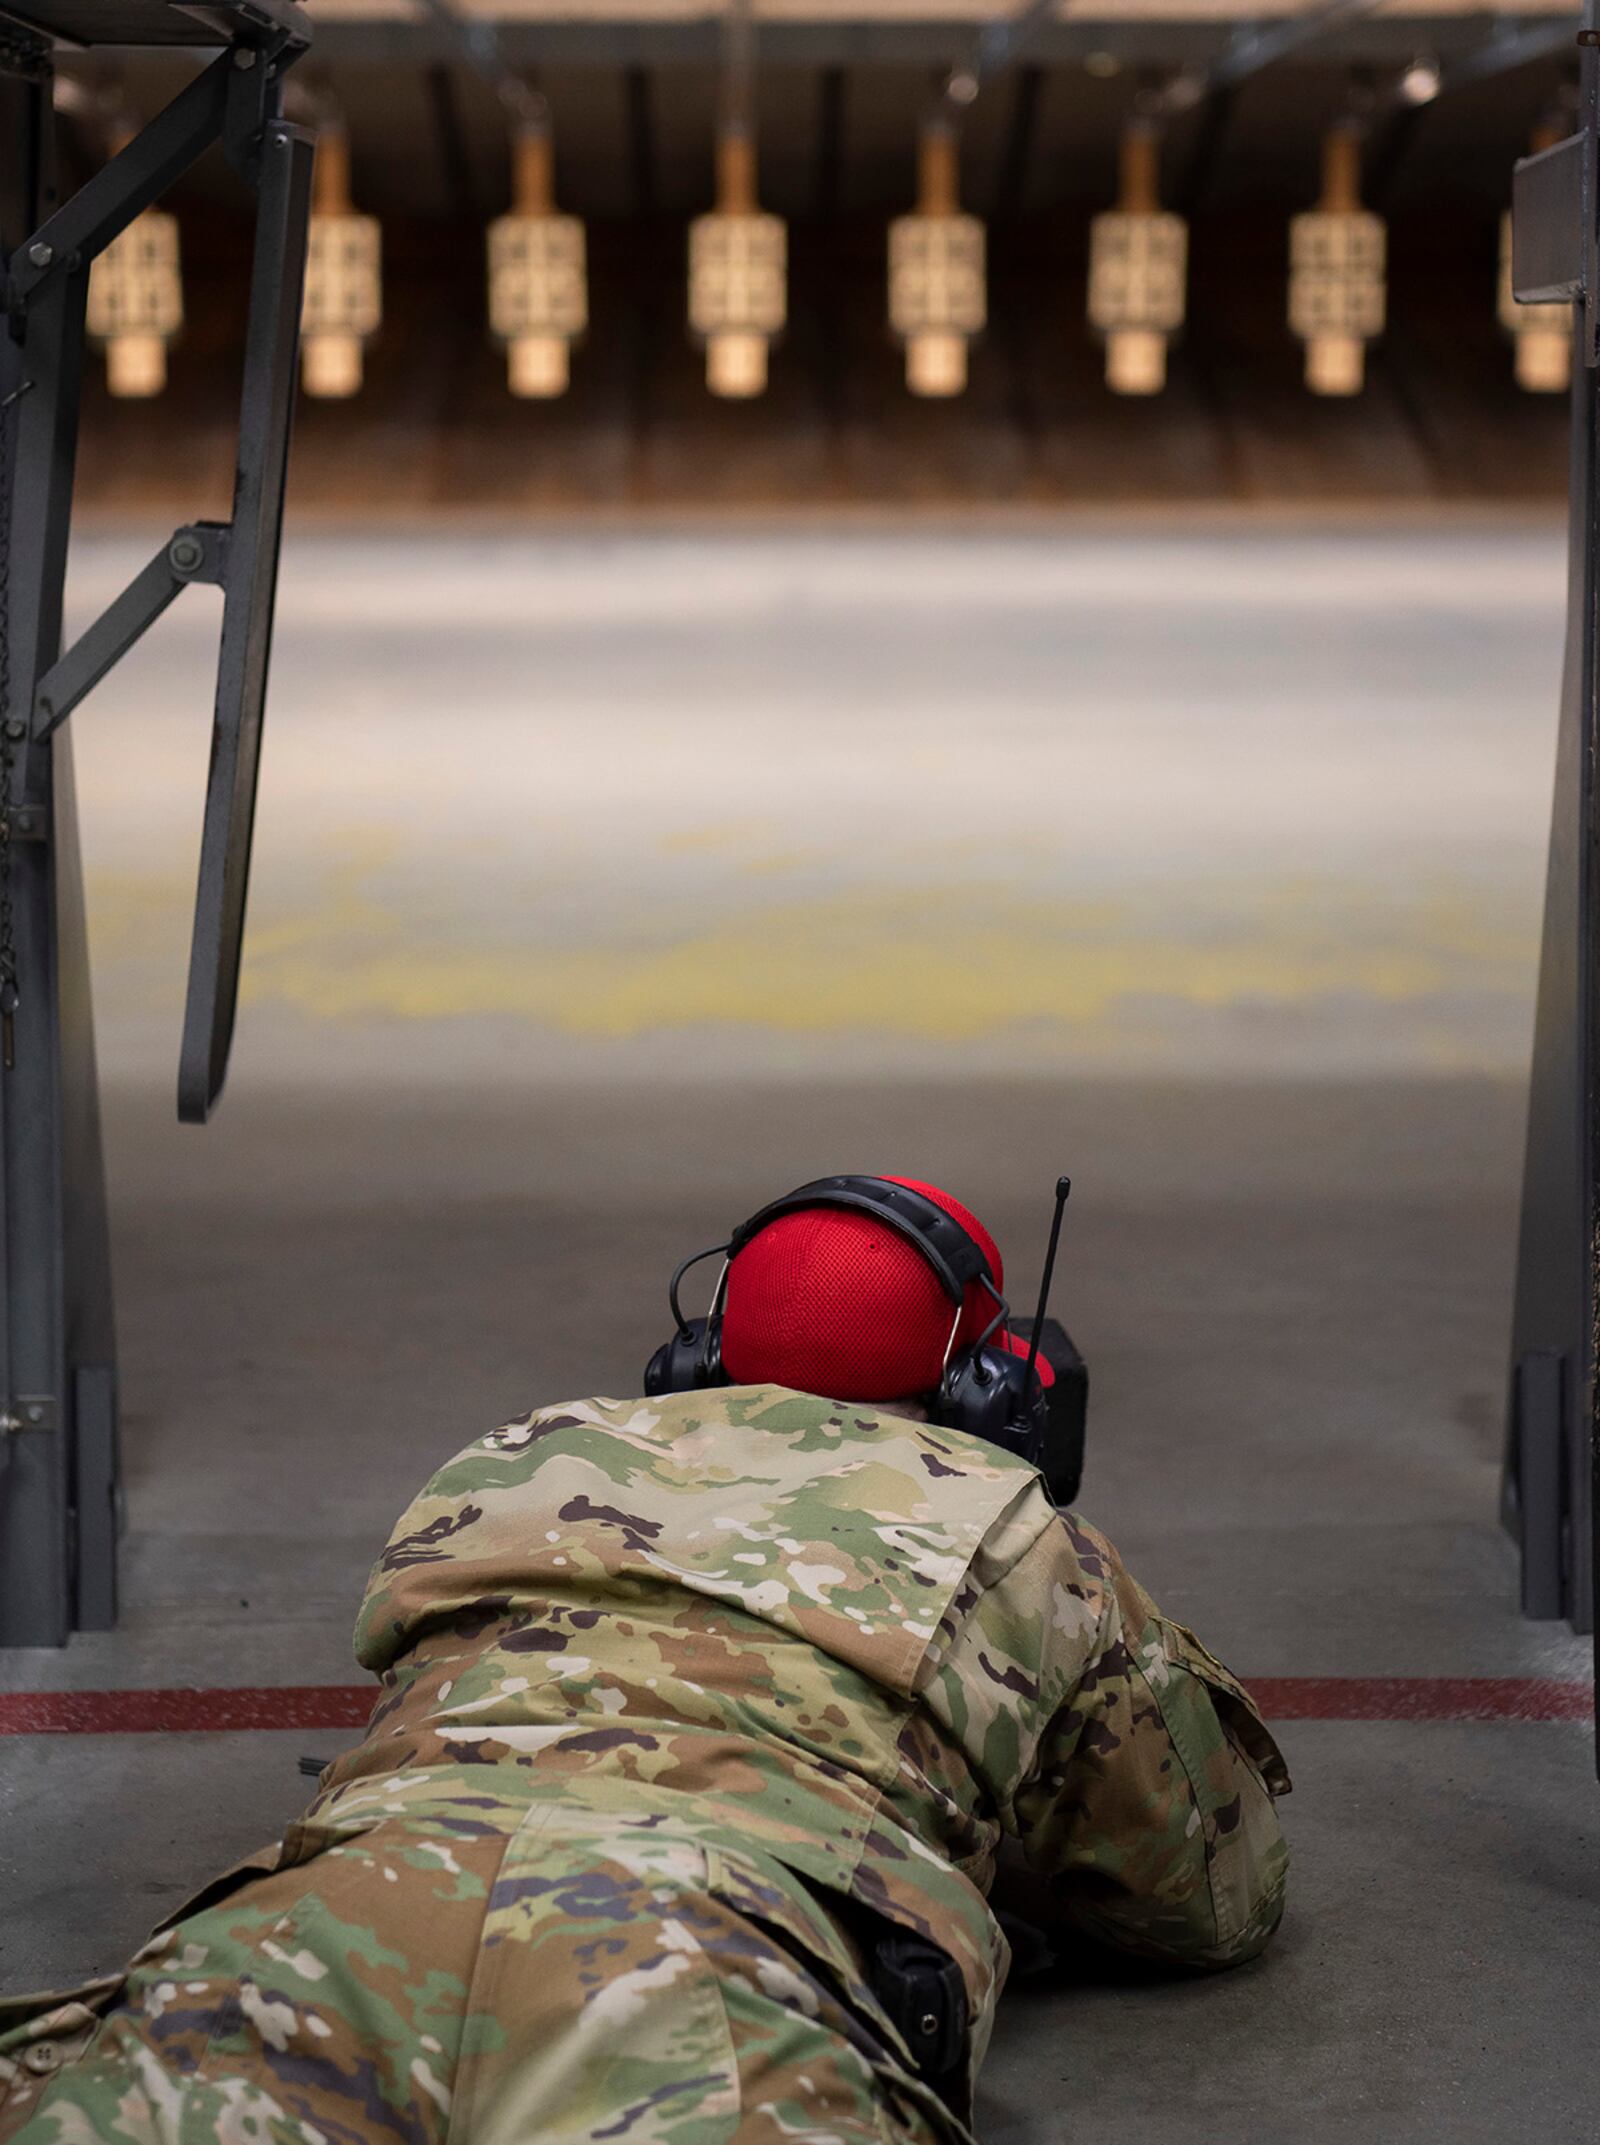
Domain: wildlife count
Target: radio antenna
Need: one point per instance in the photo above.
(1063, 1188)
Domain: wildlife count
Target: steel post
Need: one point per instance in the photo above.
(1550, 1493)
(56, 1318)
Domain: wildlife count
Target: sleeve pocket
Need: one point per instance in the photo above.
(1236, 1709)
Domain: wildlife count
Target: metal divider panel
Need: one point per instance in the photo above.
(266, 409)
(1547, 237)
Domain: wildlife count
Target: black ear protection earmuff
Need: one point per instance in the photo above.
(984, 1390)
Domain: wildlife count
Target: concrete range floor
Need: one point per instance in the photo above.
(1294, 1298)
(804, 802)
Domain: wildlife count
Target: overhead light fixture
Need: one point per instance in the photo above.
(738, 274)
(1541, 334)
(738, 257)
(1421, 82)
(937, 298)
(344, 281)
(1336, 272)
(1138, 260)
(538, 285)
(135, 303)
(1184, 91)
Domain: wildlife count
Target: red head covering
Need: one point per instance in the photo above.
(830, 1300)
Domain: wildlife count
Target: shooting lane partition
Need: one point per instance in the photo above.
(1551, 1489)
(59, 1487)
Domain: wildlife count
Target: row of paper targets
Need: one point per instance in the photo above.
(737, 279)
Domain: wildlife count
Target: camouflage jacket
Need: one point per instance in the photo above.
(825, 1644)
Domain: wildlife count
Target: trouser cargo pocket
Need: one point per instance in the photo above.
(42, 2035)
(833, 1942)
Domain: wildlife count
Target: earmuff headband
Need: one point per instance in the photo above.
(675, 1283)
(949, 1250)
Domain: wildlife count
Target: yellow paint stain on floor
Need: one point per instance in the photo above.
(940, 965)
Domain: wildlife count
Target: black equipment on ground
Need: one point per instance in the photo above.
(921, 1990)
(986, 1391)
(58, 1406)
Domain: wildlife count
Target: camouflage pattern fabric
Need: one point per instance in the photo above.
(473, 1971)
(682, 1701)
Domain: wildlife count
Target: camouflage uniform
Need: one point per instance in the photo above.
(682, 1701)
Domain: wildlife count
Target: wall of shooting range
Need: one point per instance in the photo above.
(421, 160)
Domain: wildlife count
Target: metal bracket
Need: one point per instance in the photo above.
(121, 190)
(232, 100)
(30, 1411)
(197, 552)
(1555, 217)
(249, 112)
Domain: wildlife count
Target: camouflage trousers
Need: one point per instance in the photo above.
(488, 1977)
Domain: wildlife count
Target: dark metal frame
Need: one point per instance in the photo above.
(1551, 1497)
(58, 1428)
(934, 41)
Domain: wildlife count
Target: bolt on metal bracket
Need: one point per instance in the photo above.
(29, 1411)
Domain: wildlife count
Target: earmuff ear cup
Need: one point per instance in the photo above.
(1066, 1409)
(688, 1363)
(988, 1394)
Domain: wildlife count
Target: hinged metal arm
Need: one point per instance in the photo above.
(123, 189)
(197, 552)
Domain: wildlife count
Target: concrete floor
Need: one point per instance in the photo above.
(1294, 1299)
(1240, 799)
(607, 886)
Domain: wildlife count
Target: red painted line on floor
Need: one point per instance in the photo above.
(304, 1705)
(346, 1705)
(1422, 1698)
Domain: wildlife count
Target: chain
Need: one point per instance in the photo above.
(29, 58)
(8, 946)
